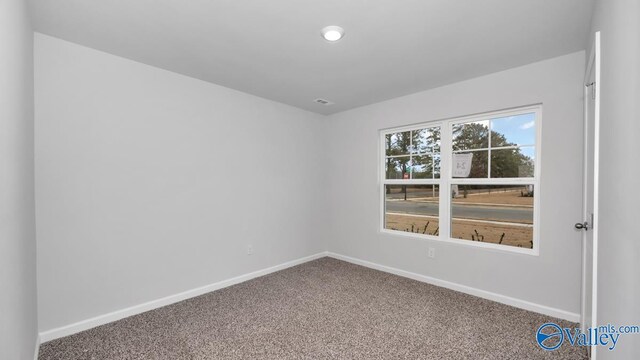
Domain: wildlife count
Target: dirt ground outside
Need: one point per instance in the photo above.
(514, 235)
(493, 197)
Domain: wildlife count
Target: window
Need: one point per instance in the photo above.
(468, 180)
(412, 180)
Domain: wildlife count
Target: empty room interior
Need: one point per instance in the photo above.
(294, 179)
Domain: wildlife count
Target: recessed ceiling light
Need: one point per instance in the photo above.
(332, 33)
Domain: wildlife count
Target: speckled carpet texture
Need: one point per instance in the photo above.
(323, 309)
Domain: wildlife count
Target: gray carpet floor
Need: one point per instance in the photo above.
(324, 309)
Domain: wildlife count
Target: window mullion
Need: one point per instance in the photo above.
(489, 152)
(445, 175)
(411, 154)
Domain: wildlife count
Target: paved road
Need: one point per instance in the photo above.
(464, 211)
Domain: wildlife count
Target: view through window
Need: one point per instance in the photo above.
(489, 174)
(413, 157)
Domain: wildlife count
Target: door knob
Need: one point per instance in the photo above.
(580, 226)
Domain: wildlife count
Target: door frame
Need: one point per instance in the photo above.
(593, 64)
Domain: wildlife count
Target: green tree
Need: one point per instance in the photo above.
(504, 163)
(398, 145)
(426, 163)
(412, 150)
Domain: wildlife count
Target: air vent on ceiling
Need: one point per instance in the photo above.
(323, 102)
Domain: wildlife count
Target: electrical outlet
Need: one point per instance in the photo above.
(432, 253)
(249, 249)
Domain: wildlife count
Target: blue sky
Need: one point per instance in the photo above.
(518, 129)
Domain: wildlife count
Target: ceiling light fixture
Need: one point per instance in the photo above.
(332, 33)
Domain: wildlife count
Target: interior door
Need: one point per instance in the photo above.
(588, 225)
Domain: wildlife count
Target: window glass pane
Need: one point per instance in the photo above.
(471, 135)
(477, 166)
(412, 208)
(398, 143)
(427, 140)
(500, 214)
(513, 130)
(425, 167)
(397, 167)
(518, 162)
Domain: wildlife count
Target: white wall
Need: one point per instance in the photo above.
(18, 328)
(150, 183)
(551, 279)
(619, 249)
(138, 197)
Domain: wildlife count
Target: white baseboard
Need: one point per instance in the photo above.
(154, 304)
(37, 349)
(522, 304)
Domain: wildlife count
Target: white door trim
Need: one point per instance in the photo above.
(593, 64)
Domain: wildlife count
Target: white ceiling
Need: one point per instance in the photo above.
(273, 48)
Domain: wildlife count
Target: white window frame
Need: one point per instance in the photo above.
(446, 180)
